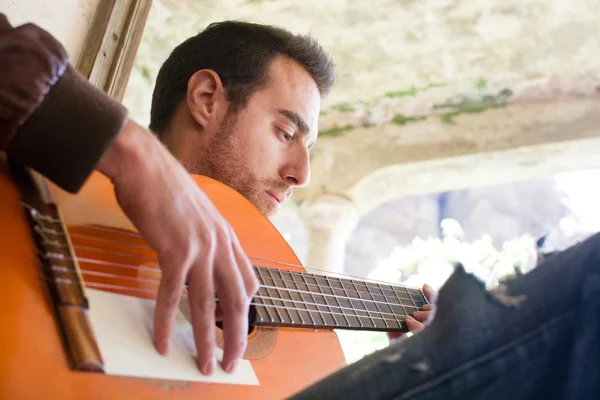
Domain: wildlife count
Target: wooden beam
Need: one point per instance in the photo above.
(95, 37)
(521, 141)
(113, 44)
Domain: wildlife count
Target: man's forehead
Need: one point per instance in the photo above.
(294, 90)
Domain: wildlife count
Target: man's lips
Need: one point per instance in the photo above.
(278, 198)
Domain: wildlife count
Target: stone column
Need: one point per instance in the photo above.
(329, 221)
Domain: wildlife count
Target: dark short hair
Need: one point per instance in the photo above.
(241, 54)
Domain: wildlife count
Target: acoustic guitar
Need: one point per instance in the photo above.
(55, 246)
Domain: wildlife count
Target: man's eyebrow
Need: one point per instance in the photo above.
(296, 119)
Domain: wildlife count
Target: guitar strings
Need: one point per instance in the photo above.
(146, 247)
(357, 282)
(270, 276)
(258, 295)
(397, 318)
(39, 218)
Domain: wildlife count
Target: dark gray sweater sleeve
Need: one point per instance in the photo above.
(51, 118)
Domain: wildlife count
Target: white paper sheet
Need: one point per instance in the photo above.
(123, 326)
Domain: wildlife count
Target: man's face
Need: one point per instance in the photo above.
(262, 150)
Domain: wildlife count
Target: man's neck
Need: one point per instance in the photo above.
(186, 147)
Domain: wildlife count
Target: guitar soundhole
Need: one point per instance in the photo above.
(251, 319)
(251, 328)
(261, 339)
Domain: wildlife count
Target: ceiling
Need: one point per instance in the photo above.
(383, 46)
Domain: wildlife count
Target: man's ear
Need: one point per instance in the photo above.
(206, 99)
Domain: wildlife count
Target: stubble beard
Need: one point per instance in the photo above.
(222, 160)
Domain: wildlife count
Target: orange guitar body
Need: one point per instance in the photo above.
(33, 364)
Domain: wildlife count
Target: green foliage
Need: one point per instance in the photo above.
(344, 107)
(481, 84)
(349, 106)
(412, 91)
(400, 119)
(369, 103)
(472, 105)
(452, 107)
(336, 130)
(146, 74)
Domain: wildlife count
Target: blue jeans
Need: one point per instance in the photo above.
(535, 336)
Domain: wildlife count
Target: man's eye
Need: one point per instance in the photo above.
(286, 136)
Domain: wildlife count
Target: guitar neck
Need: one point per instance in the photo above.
(303, 300)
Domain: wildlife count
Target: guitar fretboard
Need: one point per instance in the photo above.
(297, 299)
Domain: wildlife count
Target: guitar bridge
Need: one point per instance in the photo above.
(60, 272)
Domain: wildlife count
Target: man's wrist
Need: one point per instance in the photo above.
(124, 154)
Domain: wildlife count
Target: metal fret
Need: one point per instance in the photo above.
(278, 295)
(368, 313)
(304, 301)
(289, 295)
(403, 309)
(326, 291)
(347, 321)
(380, 308)
(331, 293)
(354, 307)
(331, 302)
(261, 315)
(402, 294)
(261, 310)
(411, 299)
(324, 309)
(368, 296)
(395, 301)
(421, 300)
(303, 278)
(352, 294)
